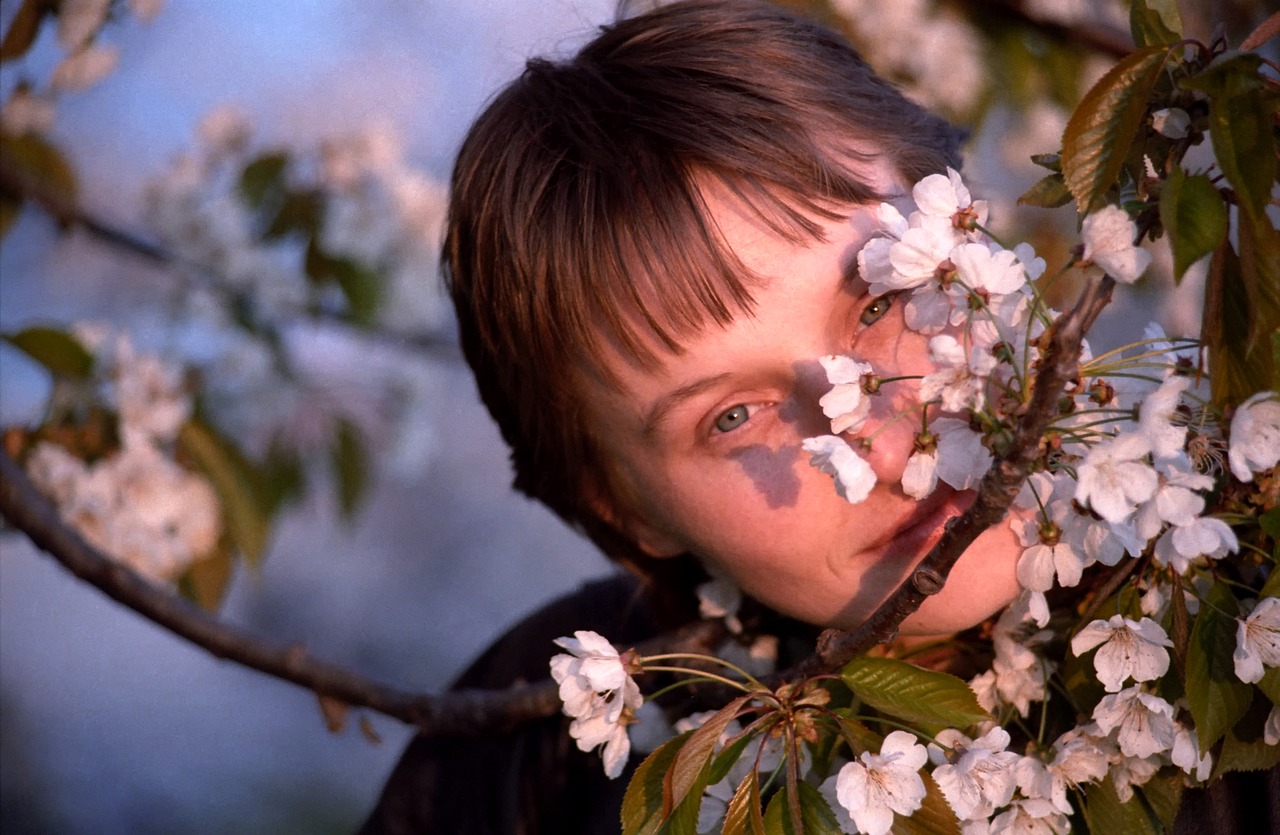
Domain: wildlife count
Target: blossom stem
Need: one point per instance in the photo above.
(709, 659)
(700, 675)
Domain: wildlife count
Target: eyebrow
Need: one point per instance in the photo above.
(662, 407)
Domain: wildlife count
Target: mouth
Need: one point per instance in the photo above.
(922, 529)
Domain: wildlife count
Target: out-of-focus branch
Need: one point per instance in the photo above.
(1060, 363)
(455, 713)
(1096, 36)
(67, 213)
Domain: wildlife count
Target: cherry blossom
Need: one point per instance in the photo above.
(1186, 754)
(600, 695)
(1129, 649)
(962, 458)
(1079, 757)
(1155, 418)
(875, 786)
(1114, 479)
(1255, 435)
(1271, 728)
(853, 475)
(1030, 817)
(846, 404)
(920, 476)
(1143, 722)
(977, 777)
(1172, 122)
(1108, 236)
(1258, 640)
(1204, 537)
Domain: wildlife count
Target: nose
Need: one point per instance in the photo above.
(802, 408)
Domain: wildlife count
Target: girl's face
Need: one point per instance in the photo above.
(706, 450)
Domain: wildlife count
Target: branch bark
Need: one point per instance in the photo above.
(1060, 363)
(455, 713)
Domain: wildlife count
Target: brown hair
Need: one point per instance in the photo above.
(576, 216)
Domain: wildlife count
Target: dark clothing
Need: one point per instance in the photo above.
(535, 781)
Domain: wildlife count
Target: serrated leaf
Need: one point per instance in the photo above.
(350, 466)
(23, 29)
(233, 480)
(743, 815)
(642, 804)
(859, 736)
(1237, 755)
(911, 693)
(1216, 698)
(58, 351)
(1102, 129)
(815, 816)
(1155, 22)
(1163, 794)
(1106, 813)
(934, 817)
(1194, 217)
(695, 756)
(1235, 371)
(1269, 684)
(1240, 126)
(1049, 192)
(263, 177)
(1053, 162)
(727, 757)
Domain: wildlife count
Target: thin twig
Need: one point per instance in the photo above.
(455, 713)
(1059, 365)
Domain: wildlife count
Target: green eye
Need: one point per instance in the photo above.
(878, 307)
(733, 417)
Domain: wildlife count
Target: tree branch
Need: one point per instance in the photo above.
(1059, 365)
(67, 213)
(456, 713)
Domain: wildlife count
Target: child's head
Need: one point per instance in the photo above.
(648, 247)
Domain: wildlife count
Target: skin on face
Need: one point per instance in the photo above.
(704, 453)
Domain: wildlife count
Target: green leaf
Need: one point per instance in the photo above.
(10, 209)
(1194, 216)
(934, 817)
(23, 29)
(816, 817)
(1106, 813)
(1053, 162)
(205, 581)
(263, 177)
(1269, 684)
(1049, 192)
(743, 816)
(913, 694)
(1155, 22)
(360, 286)
(1103, 127)
(1235, 371)
(1217, 698)
(1237, 755)
(350, 466)
(234, 480)
(1260, 274)
(1163, 794)
(1240, 126)
(35, 160)
(859, 736)
(642, 805)
(727, 757)
(695, 756)
(58, 351)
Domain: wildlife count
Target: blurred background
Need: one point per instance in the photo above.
(285, 162)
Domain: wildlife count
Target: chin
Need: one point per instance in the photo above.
(982, 582)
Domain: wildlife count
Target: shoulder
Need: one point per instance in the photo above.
(530, 780)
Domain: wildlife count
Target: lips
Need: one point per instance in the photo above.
(922, 529)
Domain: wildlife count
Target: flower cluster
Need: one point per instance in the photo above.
(1133, 477)
(599, 694)
(135, 502)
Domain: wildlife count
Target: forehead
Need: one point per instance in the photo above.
(741, 237)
